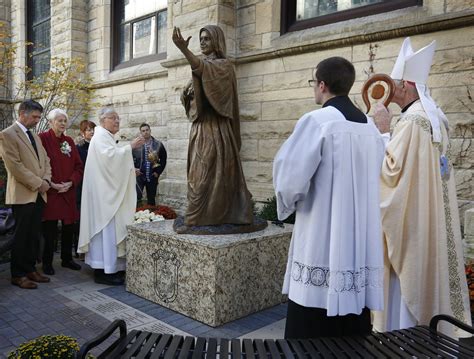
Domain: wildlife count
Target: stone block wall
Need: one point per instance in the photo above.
(4, 28)
(469, 236)
(69, 20)
(274, 92)
(272, 72)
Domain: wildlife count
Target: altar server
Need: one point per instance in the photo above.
(328, 171)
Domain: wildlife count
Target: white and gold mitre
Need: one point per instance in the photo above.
(415, 67)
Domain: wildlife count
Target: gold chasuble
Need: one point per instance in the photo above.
(420, 221)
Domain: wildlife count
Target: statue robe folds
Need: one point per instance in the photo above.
(217, 192)
(108, 191)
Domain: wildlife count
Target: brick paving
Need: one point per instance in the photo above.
(27, 314)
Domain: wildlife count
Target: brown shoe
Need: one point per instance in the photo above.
(24, 283)
(36, 277)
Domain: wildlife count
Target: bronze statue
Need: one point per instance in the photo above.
(217, 192)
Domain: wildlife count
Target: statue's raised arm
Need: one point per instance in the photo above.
(183, 46)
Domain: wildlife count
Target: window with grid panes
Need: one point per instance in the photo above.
(139, 31)
(38, 32)
(303, 14)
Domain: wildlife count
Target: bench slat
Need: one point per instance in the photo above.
(272, 347)
(150, 343)
(199, 349)
(429, 347)
(137, 344)
(187, 346)
(376, 345)
(285, 348)
(345, 347)
(444, 341)
(361, 347)
(161, 345)
(309, 348)
(399, 340)
(416, 344)
(321, 348)
(333, 348)
(297, 348)
(235, 348)
(173, 348)
(122, 345)
(260, 348)
(211, 348)
(400, 345)
(224, 350)
(247, 348)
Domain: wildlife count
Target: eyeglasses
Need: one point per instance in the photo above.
(311, 83)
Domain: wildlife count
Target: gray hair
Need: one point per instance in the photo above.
(105, 112)
(55, 113)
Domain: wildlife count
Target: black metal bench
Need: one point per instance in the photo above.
(418, 342)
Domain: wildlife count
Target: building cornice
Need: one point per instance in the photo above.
(439, 23)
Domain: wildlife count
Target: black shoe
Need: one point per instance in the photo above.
(108, 279)
(71, 265)
(48, 269)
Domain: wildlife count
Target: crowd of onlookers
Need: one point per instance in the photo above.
(45, 185)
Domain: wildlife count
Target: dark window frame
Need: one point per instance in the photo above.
(289, 23)
(29, 37)
(115, 48)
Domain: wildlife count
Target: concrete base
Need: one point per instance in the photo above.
(214, 278)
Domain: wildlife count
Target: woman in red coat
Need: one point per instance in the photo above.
(67, 169)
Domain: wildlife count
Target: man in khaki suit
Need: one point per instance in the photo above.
(29, 177)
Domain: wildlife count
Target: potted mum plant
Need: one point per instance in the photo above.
(47, 346)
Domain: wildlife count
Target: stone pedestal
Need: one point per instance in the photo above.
(214, 278)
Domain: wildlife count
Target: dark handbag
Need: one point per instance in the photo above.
(7, 227)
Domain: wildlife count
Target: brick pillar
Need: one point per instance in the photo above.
(69, 28)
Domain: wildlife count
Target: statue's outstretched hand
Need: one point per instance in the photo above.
(178, 39)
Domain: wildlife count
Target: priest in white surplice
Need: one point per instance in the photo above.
(108, 200)
(424, 273)
(328, 172)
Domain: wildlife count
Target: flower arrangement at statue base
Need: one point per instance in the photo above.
(160, 210)
(47, 346)
(146, 216)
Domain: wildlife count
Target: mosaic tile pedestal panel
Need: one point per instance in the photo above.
(211, 278)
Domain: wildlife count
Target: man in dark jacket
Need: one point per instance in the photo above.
(150, 162)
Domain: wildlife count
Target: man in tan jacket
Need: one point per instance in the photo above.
(29, 176)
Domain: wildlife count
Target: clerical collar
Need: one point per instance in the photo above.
(347, 108)
(408, 106)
